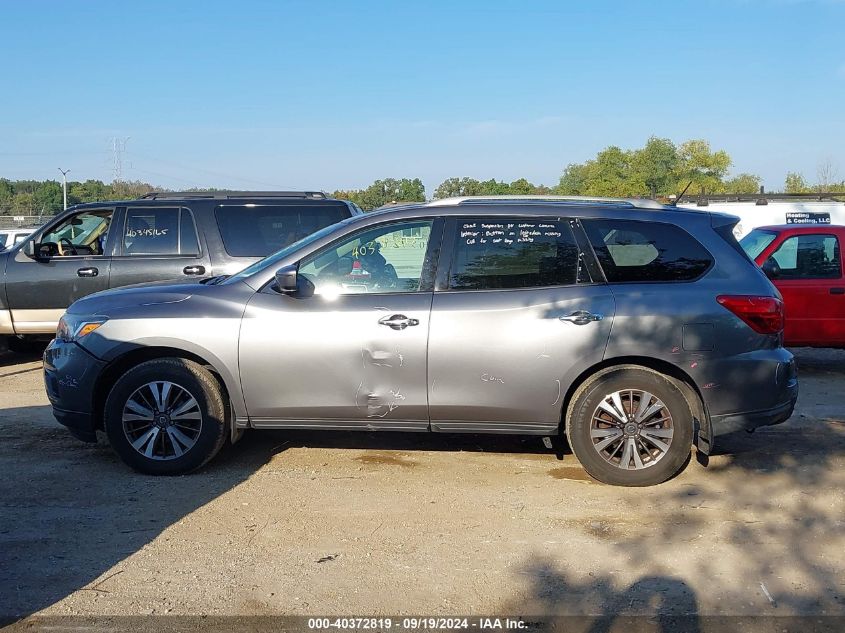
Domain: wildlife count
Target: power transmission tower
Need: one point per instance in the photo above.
(118, 147)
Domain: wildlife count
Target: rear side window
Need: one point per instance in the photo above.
(160, 231)
(634, 251)
(257, 230)
(510, 253)
(813, 256)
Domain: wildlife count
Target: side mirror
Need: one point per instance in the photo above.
(33, 250)
(286, 279)
(771, 268)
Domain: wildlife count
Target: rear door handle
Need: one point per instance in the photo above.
(837, 291)
(398, 321)
(581, 317)
(194, 270)
(87, 272)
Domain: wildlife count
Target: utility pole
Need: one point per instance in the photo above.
(65, 172)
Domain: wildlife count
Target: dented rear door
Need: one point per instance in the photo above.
(514, 322)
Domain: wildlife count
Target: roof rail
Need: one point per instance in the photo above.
(181, 195)
(640, 203)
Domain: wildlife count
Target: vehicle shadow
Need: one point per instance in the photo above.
(57, 535)
(8, 358)
(654, 603)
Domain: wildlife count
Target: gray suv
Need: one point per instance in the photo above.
(636, 330)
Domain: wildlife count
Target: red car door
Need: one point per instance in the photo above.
(807, 268)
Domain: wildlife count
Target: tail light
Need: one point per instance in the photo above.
(761, 314)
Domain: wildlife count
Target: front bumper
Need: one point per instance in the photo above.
(70, 374)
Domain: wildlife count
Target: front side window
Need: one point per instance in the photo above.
(81, 234)
(511, 253)
(250, 230)
(812, 256)
(636, 251)
(386, 259)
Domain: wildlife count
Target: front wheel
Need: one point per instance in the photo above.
(631, 427)
(166, 416)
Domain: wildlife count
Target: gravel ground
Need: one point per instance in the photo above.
(345, 523)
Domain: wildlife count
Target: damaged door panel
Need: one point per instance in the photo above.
(513, 377)
(350, 350)
(317, 363)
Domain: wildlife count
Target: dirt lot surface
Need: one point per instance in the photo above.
(344, 523)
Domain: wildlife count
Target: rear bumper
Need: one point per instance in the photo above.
(70, 374)
(723, 424)
(749, 390)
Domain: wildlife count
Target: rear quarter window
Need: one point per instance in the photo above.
(257, 230)
(636, 251)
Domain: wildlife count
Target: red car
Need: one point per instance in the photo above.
(805, 263)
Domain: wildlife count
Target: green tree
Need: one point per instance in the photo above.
(795, 183)
(48, 197)
(654, 166)
(743, 183)
(385, 191)
(521, 187)
(701, 166)
(573, 181)
(453, 187)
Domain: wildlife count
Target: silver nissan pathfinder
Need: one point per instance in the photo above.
(637, 331)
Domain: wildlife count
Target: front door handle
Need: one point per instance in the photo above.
(837, 291)
(398, 321)
(194, 270)
(87, 272)
(581, 317)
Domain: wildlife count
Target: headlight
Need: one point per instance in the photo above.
(72, 328)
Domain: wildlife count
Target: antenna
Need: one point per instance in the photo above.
(675, 202)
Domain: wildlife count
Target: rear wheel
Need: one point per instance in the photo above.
(631, 427)
(166, 416)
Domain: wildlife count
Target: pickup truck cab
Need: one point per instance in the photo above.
(805, 264)
(161, 236)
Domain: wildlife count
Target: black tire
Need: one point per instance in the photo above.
(633, 382)
(194, 380)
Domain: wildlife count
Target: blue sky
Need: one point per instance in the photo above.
(333, 95)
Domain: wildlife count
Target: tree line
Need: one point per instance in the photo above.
(657, 170)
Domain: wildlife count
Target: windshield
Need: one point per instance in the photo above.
(756, 242)
(272, 260)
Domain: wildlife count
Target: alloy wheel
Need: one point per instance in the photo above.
(631, 429)
(162, 420)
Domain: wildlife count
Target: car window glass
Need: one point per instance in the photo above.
(3, 238)
(188, 244)
(809, 257)
(251, 230)
(81, 234)
(152, 231)
(506, 253)
(756, 242)
(635, 251)
(385, 259)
